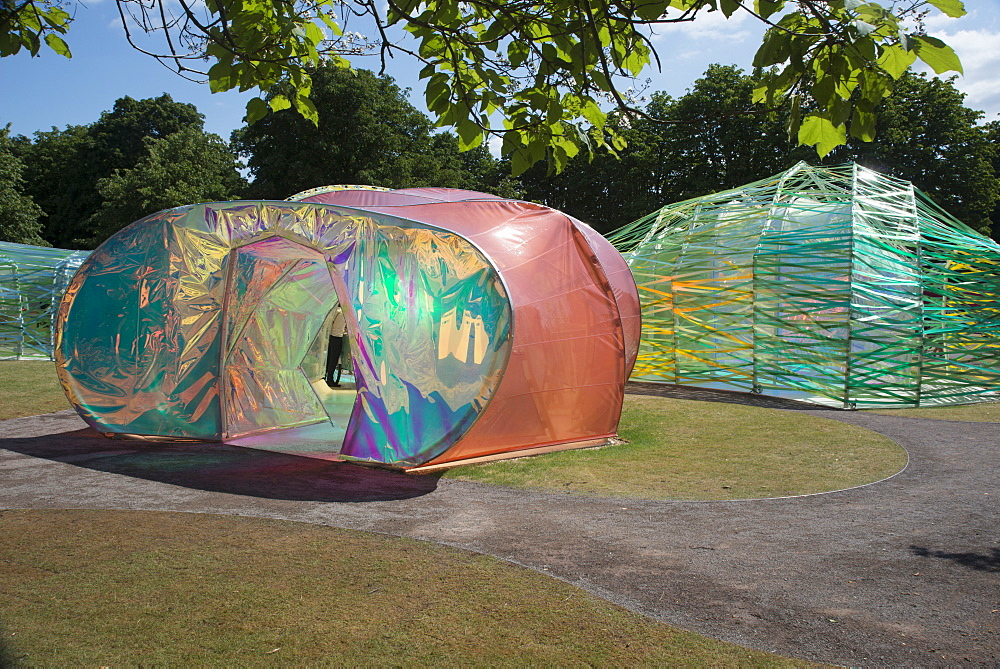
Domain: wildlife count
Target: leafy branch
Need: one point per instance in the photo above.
(540, 75)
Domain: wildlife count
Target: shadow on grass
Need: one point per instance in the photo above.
(725, 396)
(989, 562)
(224, 468)
(9, 657)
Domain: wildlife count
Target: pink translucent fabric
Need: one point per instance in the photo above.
(575, 317)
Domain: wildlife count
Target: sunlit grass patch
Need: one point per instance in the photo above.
(686, 449)
(116, 588)
(29, 388)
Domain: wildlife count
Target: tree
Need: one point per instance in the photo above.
(121, 135)
(18, 213)
(928, 136)
(720, 141)
(717, 140)
(63, 167)
(992, 131)
(543, 69)
(368, 133)
(60, 175)
(185, 167)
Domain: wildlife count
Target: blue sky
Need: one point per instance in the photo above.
(46, 91)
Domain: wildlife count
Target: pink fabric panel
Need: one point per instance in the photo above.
(366, 198)
(448, 194)
(564, 380)
(565, 377)
(626, 293)
(395, 198)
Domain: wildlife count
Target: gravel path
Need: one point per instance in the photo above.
(901, 572)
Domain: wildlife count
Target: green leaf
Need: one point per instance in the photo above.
(470, 135)
(896, 60)
(437, 93)
(520, 160)
(650, 11)
(768, 7)
(937, 54)
(220, 77)
(820, 132)
(57, 44)
(280, 102)
(953, 8)
(794, 119)
(773, 50)
(314, 33)
(874, 85)
(307, 108)
(729, 7)
(863, 122)
(8, 44)
(256, 110)
(511, 141)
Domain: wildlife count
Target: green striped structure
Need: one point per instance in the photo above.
(32, 281)
(836, 285)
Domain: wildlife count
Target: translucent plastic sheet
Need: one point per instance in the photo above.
(477, 325)
(836, 285)
(279, 295)
(32, 281)
(564, 380)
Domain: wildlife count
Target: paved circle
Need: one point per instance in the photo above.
(902, 572)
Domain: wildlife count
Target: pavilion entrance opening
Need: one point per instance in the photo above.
(288, 383)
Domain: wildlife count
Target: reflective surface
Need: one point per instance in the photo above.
(476, 325)
(32, 281)
(836, 285)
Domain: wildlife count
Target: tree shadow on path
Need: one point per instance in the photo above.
(989, 561)
(224, 468)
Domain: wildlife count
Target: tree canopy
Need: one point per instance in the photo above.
(928, 136)
(72, 173)
(367, 132)
(720, 140)
(184, 167)
(18, 213)
(148, 155)
(539, 74)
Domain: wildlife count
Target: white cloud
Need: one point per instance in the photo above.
(975, 37)
(494, 144)
(980, 55)
(707, 26)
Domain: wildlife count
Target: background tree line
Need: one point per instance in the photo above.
(713, 138)
(76, 186)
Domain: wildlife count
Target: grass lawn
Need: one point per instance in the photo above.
(686, 449)
(28, 388)
(985, 412)
(130, 588)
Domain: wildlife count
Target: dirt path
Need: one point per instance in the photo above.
(902, 572)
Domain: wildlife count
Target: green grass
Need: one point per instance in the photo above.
(985, 412)
(28, 388)
(117, 588)
(686, 449)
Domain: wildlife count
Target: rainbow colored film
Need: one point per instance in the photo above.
(194, 323)
(32, 281)
(475, 325)
(835, 285)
